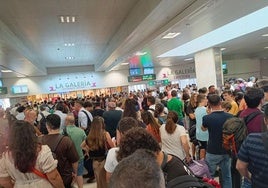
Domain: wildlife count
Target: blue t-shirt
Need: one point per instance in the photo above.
(200, 112)
(253, 152)
(214, 122)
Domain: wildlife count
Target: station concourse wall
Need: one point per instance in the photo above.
(59, 83)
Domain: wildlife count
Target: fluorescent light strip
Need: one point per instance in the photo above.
(6, 70)
(242, 26)
(188, 59)
(124, 63)
(170, 35)
(140, 53)
(265, 35)
(266, 47)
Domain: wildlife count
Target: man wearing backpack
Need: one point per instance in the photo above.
(63, 149)
(253, 157)
(84, 116)
(84, 120)
(216, 155)
(41, 118)
(253, 98)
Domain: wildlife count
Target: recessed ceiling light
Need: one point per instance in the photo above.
(266, 47)
(170, 35)
(69, 58)
(223, 49)
(188, 59)
(68, 44)
(67, 19)
(265, 35)
(6, 70)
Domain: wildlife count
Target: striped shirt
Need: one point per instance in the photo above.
(253, 152)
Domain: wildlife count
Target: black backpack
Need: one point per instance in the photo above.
(42, 124)
(88, 123)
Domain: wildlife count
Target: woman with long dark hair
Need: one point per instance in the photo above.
(174, 138)
(96, 146)
(26, 163)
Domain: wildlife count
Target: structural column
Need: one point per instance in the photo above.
(208, 68)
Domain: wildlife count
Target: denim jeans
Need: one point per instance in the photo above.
(246, 183)
(224, 162)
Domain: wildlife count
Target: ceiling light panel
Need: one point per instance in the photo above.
(69, 44)
(171, 35)
(67, 19)
(6, 70)
(69, 57)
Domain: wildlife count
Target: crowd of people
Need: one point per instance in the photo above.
(139, 139)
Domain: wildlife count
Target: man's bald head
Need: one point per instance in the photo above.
(69, 120)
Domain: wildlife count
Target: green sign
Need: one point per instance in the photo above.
(140, 78)
(165, 82)
(3, 90)
(151, 83)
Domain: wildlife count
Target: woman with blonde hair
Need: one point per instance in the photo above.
(26, 163)
(96, 146)
(174, 138)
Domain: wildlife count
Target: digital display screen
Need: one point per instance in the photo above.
(3, 90)
(19, 89)
(133, 72)
(141, 78)
(148, 70)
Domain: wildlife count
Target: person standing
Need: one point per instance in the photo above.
(111, 118)
(59, 111)
(201, 136)
(228, 96)
(216, 155)
(84, 120)
(25, 158)
(96, 146)
(77, 135)
(174, 138)
(64, 150)
(253, 156)
(84, 116)
(175, 104)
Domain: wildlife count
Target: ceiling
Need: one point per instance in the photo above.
(105, 34)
